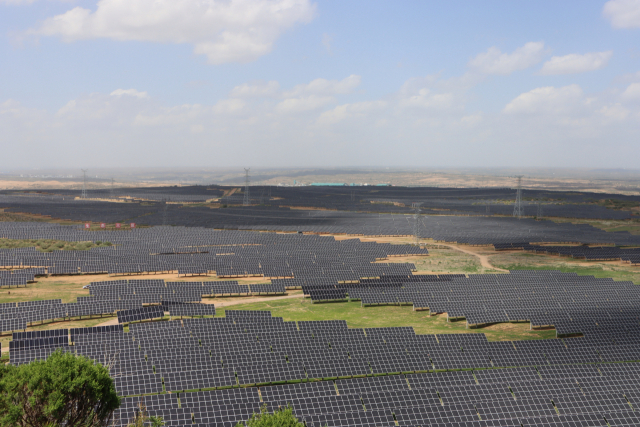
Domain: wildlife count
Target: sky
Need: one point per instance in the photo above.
(301, 83)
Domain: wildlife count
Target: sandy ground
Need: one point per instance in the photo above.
(484, 259)
(85, 279)
(226, 302)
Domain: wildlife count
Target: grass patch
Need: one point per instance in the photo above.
(618, 275)
(443, 261)
(13, 217)
(630, 225)
(387, 316)
(600, 269)
(49, 245)
(67, 292)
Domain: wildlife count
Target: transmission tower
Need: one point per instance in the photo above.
(84, 183)
(518, 210)
(416, 226)
(539, 213)
(247, 199)
(165, 213)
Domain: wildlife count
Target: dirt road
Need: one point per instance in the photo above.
(226, 302)
(484, 260)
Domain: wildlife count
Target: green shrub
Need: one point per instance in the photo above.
(281, 418)
(64, 390)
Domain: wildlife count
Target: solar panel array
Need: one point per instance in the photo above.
(191, 251)
(604, 253)
(221, 370)
(19, 277)
(138, 314)
(571, 303)
(390, 199)
(454, 221)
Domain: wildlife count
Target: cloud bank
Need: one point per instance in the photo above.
(224, 31)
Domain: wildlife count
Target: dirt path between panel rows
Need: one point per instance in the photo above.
(484, 260)
(226, 302)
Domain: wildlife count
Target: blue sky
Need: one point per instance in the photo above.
(276, 83)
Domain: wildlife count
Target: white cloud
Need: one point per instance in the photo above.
(129, 92)
(224, 31)
(308, 103)
(260, 126)
(575, 63)
(229, 106)
(426, 99)
(547, 100)
(315, 94)
(631, 92)
(346, 111)
(471, 120)
(325, 87)
(493, 61)
(256, 90)
(623, 13)
(615, 112)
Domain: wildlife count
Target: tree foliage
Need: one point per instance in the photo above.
(64, 390)
(281, 418)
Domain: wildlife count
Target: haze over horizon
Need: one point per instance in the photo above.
(277, 83)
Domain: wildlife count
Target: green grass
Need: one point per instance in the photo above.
(13, 217)
(66, 291)
(613, 225)
(387, 316)
(614, 272)
(48, 245)
(518, 260)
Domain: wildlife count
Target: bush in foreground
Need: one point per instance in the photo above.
(280, 418)
(65, 390)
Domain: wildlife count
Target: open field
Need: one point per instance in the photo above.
(48, 245)
(630, 225)
(576, 180)
(388, 316)
(442, 259)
